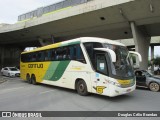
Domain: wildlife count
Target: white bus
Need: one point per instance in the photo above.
(86, 64)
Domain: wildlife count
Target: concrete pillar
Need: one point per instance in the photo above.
(152, 58)
(2, 57)
(142, 41)
(9, 56)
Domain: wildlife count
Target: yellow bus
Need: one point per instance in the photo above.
(86, 64)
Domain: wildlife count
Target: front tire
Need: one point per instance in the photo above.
(154, 87)
(82, 88)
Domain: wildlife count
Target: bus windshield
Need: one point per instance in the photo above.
(122, 67)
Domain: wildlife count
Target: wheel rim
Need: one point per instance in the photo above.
(81, 87)
(154, 86)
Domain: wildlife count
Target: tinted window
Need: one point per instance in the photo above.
(34, 57)
(66, 53)
(53, 54)
(40, 56)
(73, 52)
(90, 51)
(59, 55)
(29, 57)
(101, 63)
(5, 69)
(46, 55)
(79, 54)
(13, 69)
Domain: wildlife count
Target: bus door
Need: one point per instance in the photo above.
(101, 74)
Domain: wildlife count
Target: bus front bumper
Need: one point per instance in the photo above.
(116, 91)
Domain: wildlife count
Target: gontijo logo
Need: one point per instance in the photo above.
(35, 65)
(99, 89)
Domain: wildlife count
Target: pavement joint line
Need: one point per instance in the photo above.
(9, 90)
(26, 95)
(24, 86)
(9, 97)
(46, 91)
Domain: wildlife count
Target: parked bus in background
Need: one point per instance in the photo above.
(87, 64)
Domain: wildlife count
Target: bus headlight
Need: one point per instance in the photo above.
(113, 83)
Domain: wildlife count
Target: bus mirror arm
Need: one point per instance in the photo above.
(111, 52)
(136, 53)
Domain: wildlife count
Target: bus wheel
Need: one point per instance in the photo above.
(154, 86)
(28, 79)
(81, 88)
(33, 79)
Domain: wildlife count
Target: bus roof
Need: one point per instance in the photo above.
(76, 41)
(101, 40)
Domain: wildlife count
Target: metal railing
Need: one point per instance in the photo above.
(43, 10)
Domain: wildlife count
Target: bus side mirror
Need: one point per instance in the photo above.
(137, 54)
(111, 52)
(136, 58)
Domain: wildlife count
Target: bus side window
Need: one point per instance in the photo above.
(59, 55)
(76, 53)
(29, 57)
(24, 57)
(40, 56)
(72, 52)
(79, 54)
(101, 65)
(53, 54)
(46, 55)
(89, 49)
(66, 53)
(91, 53)
(49, 55)
(33, 57)
(68, 57)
